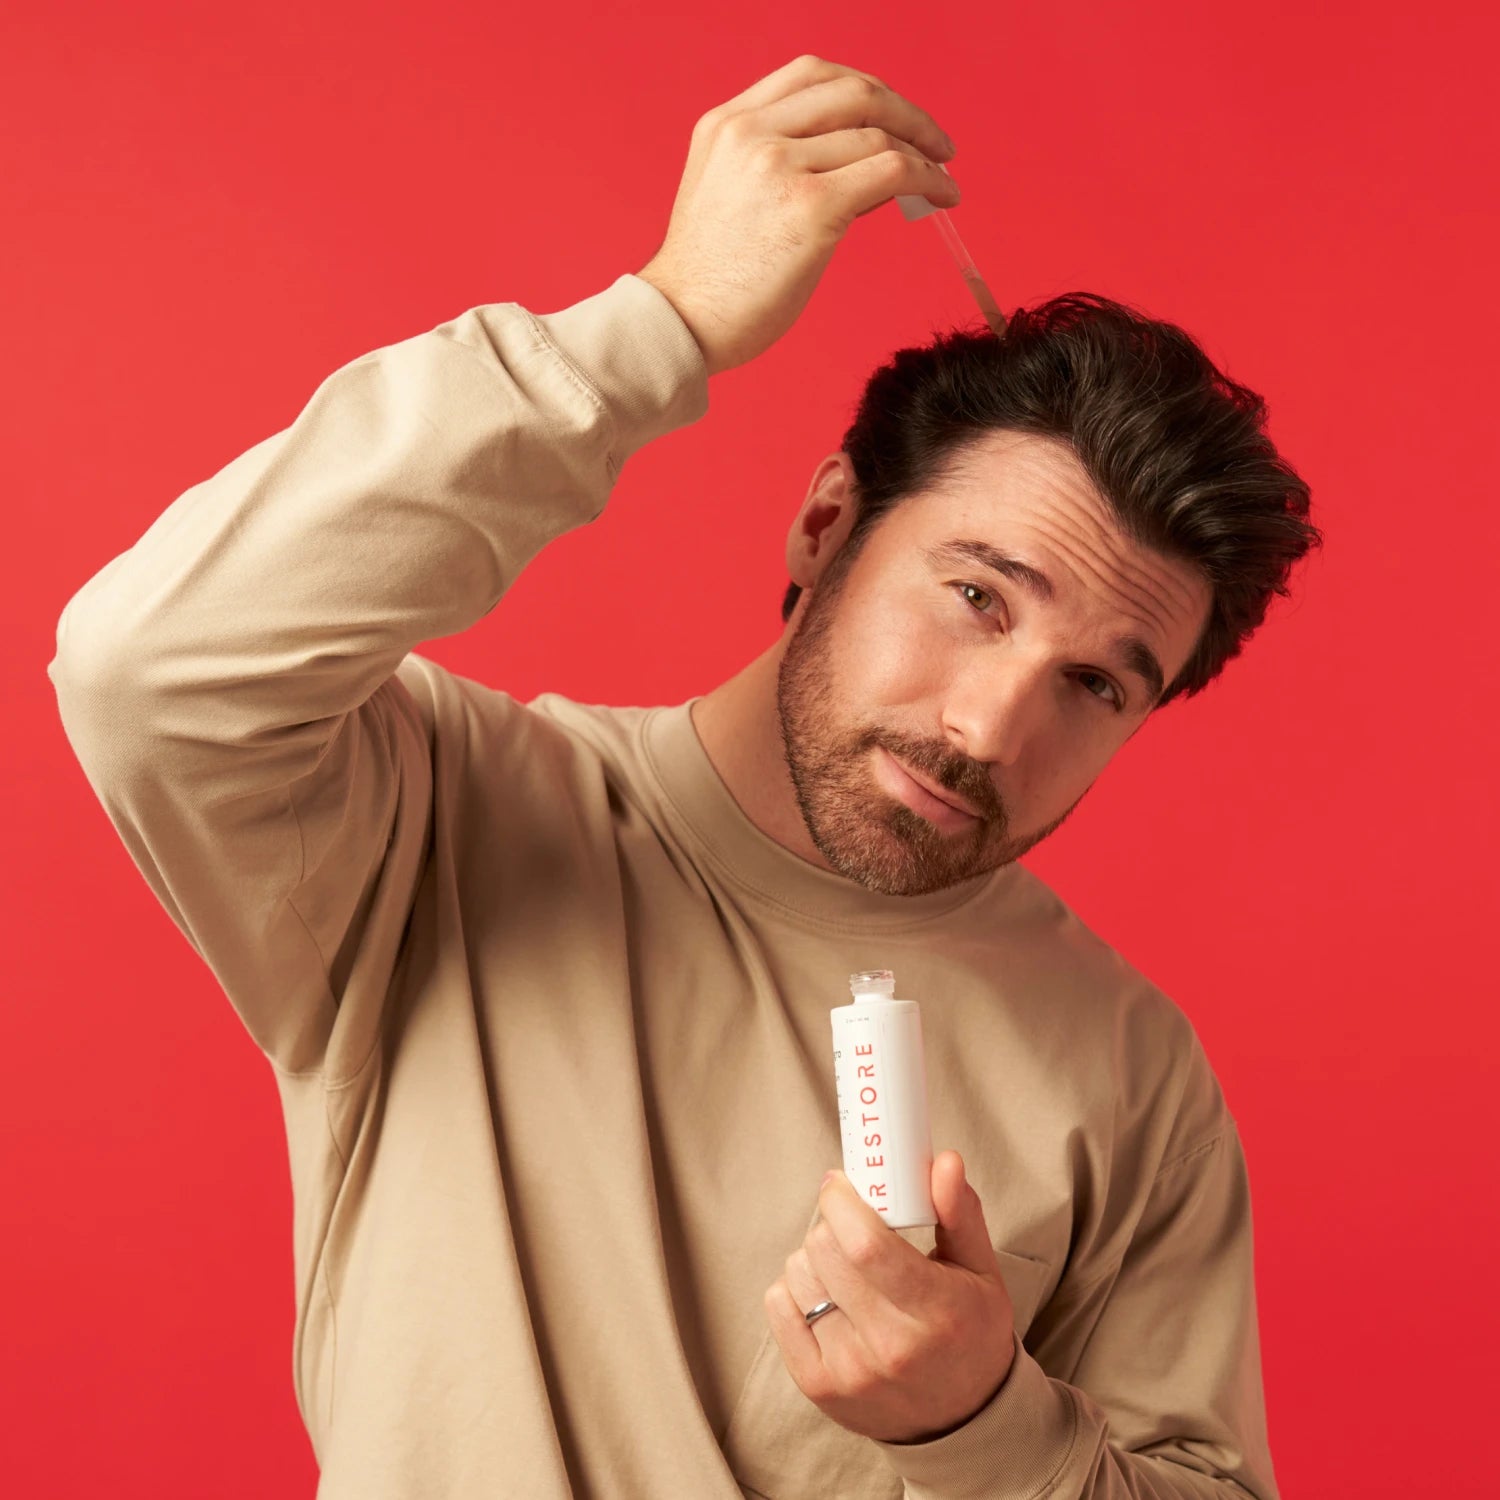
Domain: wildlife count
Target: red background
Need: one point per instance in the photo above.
(212, 210)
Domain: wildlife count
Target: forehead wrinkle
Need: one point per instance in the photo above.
(1058, 473)
(1137, 598)
(1062, 474)
(1170, 586)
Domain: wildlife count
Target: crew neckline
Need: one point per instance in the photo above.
(757, 863)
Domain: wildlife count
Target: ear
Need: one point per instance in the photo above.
(824, 522)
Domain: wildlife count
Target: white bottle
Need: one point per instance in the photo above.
(881, 1078)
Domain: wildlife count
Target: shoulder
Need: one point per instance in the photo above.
(451, 703)
(492, 733)
(1143, 1040)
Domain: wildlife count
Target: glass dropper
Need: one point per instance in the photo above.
(915, 207)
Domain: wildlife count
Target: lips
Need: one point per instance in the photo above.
(940, 792)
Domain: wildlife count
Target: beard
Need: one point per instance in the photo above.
(862, 831)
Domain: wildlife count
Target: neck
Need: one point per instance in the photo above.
(740, 730)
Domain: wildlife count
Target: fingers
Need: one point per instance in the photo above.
(754, 223)
(867, 144)
(810, 96)
(863, 186)
(890, 167)
(803, 1282)
(787, 79)
(851, 103)
(842, 148)
(831, 1353)
(866, 1266)
(798, 1342)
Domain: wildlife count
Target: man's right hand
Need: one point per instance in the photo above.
(774, 179)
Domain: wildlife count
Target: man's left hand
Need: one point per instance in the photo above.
(918, 1343)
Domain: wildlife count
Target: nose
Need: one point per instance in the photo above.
(993, 714)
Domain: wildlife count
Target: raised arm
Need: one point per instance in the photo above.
(230, 685)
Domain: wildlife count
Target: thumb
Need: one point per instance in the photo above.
(961, 1235)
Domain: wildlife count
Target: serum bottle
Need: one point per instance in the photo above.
(881, 1078)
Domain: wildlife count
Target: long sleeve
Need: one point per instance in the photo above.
(230, 686)
(1165, 1399)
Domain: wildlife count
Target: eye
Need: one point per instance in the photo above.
(1109, 694)
(969, 590)
(979, 600)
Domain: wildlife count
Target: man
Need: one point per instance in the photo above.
(546, 987)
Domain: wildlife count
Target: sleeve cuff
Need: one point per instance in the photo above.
(1012, 1448)
(631, 347)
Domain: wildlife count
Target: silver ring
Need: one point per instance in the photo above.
(814, 1313)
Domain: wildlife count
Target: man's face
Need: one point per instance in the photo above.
(918, 659)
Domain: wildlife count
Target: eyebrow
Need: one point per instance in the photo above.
(1137, 656)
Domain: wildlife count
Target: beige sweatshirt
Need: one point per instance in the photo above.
(549, 1016)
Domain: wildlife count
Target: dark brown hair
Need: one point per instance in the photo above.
(1174, 447)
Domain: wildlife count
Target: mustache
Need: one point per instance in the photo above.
(965, 778)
